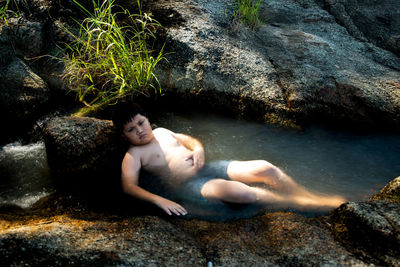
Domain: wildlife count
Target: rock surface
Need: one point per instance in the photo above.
(22, 91)
(26, 36)
(391, 192)
(362, 226)
(84, 155)
(60, 232)
(82, 238)
(24, 94)
(379, 24)
(300, 64)
(78, 143)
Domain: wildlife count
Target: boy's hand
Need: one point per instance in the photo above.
(171, 207)
(198, 158)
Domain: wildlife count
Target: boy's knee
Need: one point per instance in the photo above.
(265, 168)
(248, 197)
(230, 191)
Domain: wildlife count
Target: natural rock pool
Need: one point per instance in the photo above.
(350, 164)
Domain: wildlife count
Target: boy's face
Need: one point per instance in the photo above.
(138, 131)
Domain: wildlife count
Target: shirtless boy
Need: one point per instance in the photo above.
(180, 160)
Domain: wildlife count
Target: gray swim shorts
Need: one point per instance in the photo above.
(191, 189)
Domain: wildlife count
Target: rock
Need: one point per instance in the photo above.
(379, 24)
(391, 192)
(60, 231)
(22, 91)
(76, 143)
(362, 226)
(84, 155)
(7, 53)
(301, 65)
(26, 36)
(95, 241)
(274, 239)
(23, 95)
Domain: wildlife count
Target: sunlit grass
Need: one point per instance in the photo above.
(246, 12)
(109, 61)
(6, 12)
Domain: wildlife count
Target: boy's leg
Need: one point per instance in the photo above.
(261, 171)
(237, 192)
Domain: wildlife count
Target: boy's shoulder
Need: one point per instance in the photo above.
(162, 130)
(162, 133)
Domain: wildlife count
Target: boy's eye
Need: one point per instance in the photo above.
(140, 123)
(130, 130)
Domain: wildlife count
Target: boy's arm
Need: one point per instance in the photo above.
(130, 178)
(194, 145)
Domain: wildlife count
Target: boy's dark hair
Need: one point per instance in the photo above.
(124, 112)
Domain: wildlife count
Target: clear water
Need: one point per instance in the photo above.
(355, 166)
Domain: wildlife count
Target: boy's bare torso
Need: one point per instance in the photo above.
(165, 157)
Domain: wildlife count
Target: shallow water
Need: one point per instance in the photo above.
(353, 165)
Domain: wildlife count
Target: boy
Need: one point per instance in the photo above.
(179, 160)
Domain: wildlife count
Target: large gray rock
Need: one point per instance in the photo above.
(376, 22)
(84, 156)
(26, 36)
(274, 239)
(22, 92)
(370, 230)
(78, 143)
(68, 241)
(24, 95)
(300, 65)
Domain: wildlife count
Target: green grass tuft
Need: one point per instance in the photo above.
(6, 11)
(246, 12)
(108, 60)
